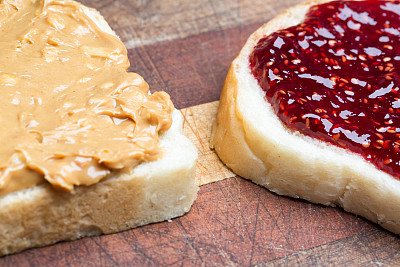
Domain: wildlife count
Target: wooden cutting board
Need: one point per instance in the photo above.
(185, 48)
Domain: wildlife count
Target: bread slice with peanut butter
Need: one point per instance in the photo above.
(86, 149)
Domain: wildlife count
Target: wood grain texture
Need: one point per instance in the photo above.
(143, 22)
(185, 48)
(192, 70)
(233, 223)
(370, 248)
(197, 127)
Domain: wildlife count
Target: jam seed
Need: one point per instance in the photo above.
(336, 136)
(375, 122)
(387, 161)
(362, 57)
(366, 144)
(332, 42)
(342, 144)
(302, 33)
(377, 146)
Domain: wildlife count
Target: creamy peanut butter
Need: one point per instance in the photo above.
(70, 112)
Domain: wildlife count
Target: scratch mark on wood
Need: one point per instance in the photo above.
(255, 231)
(195, 130)
(97, 241)
(189, 241)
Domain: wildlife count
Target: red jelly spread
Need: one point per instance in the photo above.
(336, 77)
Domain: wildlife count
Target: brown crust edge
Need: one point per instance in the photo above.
(228, 137)
(366, 197)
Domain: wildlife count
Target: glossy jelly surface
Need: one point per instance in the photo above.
(336, 77)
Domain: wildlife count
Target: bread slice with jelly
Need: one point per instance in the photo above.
(251, 140)
(152, 191)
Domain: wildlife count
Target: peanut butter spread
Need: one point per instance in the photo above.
(70, 112)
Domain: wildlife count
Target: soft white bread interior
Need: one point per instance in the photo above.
(252, 141)
(153, 191)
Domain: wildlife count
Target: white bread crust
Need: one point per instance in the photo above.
(151, 192)
(252, 141)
